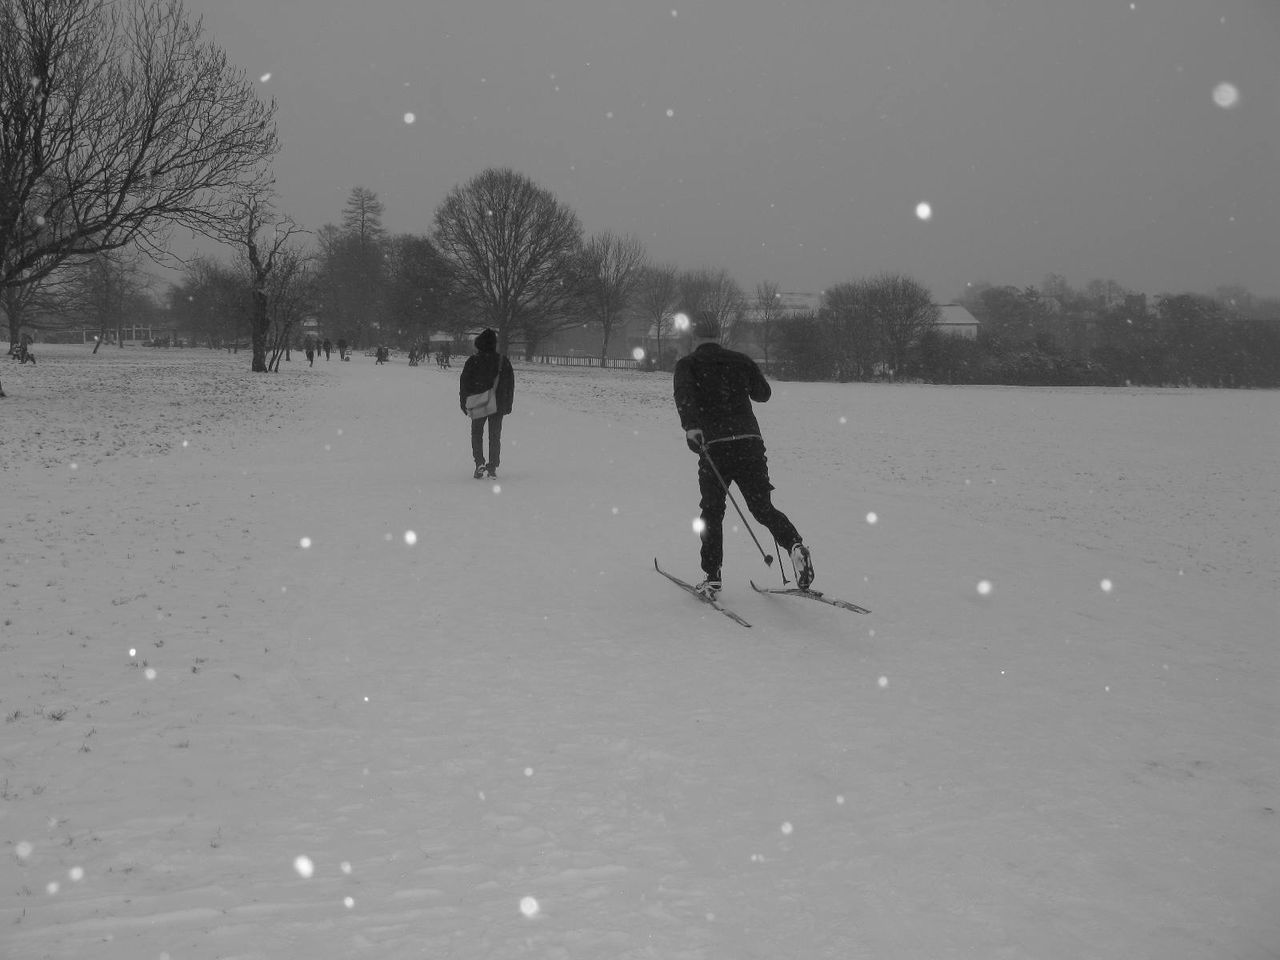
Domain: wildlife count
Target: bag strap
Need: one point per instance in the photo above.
(499, 376)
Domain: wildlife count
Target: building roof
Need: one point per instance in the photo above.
(955, 315)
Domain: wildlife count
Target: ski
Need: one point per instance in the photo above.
(812, 595)
(688, 588)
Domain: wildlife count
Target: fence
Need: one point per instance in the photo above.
(128, 333)
(566, 361)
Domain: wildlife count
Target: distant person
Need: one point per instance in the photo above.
(328, 346)
(382, 355)
(342, 348)
(311, 352)
(714, 388)
(479, 374)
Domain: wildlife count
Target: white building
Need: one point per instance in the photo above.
(957, 321)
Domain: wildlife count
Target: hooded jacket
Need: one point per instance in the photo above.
(480, 369)
(714, 388)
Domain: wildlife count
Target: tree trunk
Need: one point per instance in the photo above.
(259, 324)
(15, 321)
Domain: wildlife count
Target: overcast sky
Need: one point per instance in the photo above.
(793, 142)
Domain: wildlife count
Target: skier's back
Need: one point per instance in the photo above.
(714, 390)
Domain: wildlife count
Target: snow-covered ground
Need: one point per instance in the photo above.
(280, 680)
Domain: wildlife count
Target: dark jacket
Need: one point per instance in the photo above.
(714, 388)
(477, 377)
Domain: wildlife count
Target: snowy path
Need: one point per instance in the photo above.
(515, 706)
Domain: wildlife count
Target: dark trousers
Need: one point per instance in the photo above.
(742, 462)
(495, 440)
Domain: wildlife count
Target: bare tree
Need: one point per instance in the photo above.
(717, 293)
(610, 272)
(768, 304)
(903, 310)
(110, 287)
(511, 246)
(656, 297)
(119, 120)
(213, 297)
(290, 293)
(261, 234)
(32, 304)
(855, 346)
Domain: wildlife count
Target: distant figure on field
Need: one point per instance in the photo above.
(342, 348)
(311, 352)
(328, 346)
(714, 388)
(382, 354)
(485, 370)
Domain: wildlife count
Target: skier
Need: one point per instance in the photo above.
(714, 388)
(478, 375)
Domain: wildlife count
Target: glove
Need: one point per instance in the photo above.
(693, 439)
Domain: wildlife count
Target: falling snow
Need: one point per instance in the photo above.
(1226, 95)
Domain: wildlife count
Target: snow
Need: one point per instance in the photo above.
(469, 720)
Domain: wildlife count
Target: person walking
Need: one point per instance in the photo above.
(478, 375)
(328, 347)
(714, 389)
(311, 352)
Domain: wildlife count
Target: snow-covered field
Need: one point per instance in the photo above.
(280, 680)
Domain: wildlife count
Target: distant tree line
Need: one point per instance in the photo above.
(503, 253)
(1049, 335)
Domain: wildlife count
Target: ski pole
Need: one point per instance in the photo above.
(768, 560)
(781, 569)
